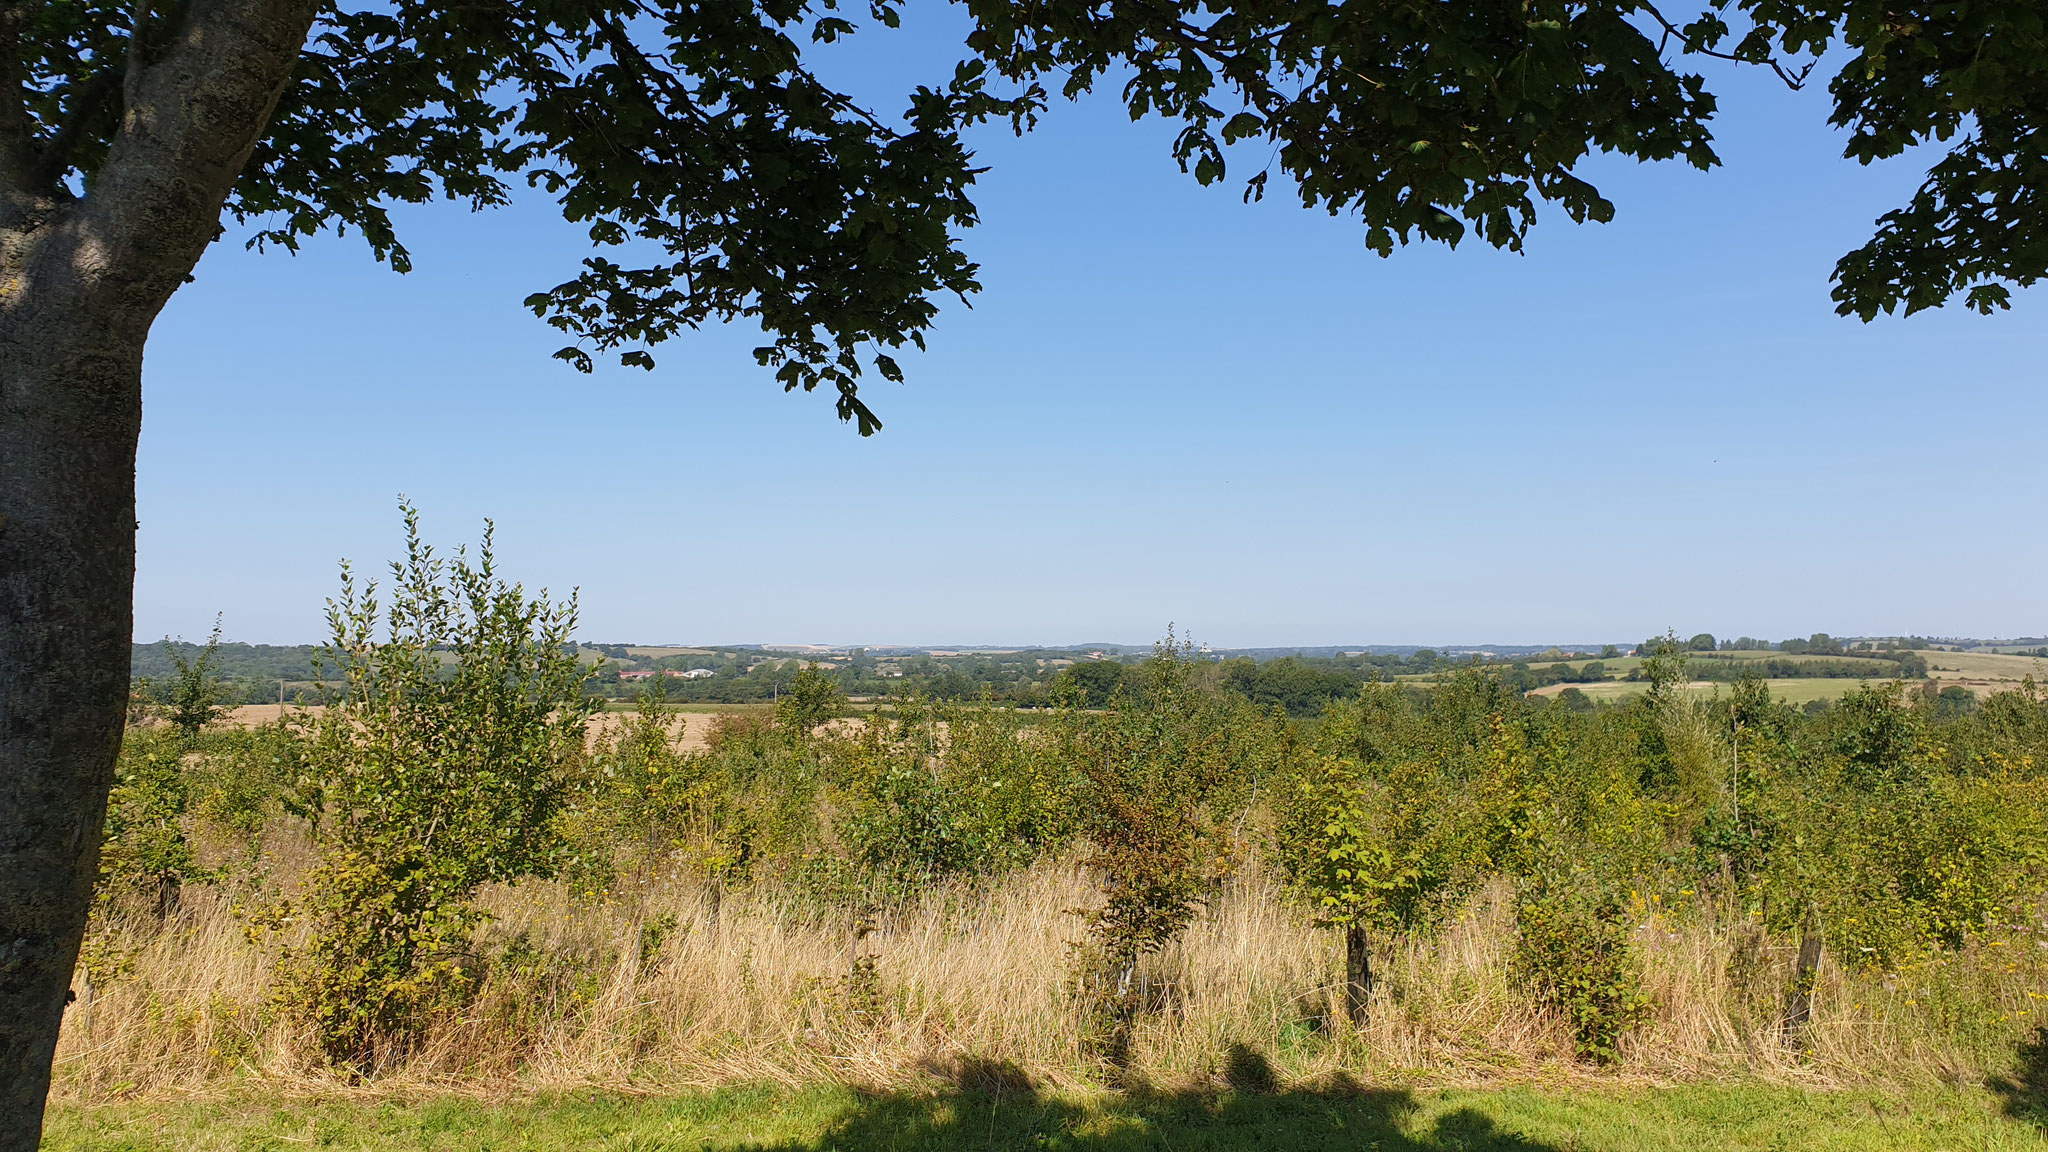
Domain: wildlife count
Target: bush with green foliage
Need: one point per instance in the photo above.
(196, 695)
(441, 766)
(813, 698)
(1890, 846)
(1574, 948)
(644, 808)
(1167, 768)
(146, 849)
(1387, 827)
(936, 789)
(1091, 683)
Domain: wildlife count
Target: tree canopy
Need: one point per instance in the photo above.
(720, 178)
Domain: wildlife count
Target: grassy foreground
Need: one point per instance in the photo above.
(1695, 1118)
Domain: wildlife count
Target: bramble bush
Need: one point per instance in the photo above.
(1574, 949)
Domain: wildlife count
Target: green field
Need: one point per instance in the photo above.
(1730, 1116)
(1984, 672)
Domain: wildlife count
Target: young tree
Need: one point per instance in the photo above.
(1388, 828)
(699, 134)
(440, 769)
(1882, 854)
(640, 799)
(196, 691)
(1164, 767)
(1663, 666)
(146, 849)
(813, 699)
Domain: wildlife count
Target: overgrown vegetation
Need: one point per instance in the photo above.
(450, 872)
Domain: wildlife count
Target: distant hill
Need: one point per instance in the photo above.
(1300, 677)
(270, 662)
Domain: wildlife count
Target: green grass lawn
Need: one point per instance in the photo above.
(1691, 1118)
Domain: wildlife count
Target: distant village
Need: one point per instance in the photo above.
(671, 673)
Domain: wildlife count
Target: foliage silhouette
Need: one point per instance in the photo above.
(2025, 1092)
(1342, 1116)
(1246, 1069)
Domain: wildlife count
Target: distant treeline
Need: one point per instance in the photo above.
(1305, 685)
(246, 673)
(1300, 685)
(1032, 678)
(1874, 666)
(1818, 644)
(744, 676)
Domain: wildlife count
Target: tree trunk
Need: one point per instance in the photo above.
(1120, 1012)
(81, 281)
(1357, 976)
(70, 410)
(1799, 1005)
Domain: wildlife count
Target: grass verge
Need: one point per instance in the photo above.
(1735, 1115)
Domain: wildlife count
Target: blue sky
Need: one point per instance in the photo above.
(1165, 407)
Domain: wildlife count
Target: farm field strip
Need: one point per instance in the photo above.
(1800, 690)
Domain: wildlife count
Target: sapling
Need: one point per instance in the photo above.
(439, 768)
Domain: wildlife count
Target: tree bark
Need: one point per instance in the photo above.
(81, 281)
(1357, 976)
(1799, 1005)
(70, 409)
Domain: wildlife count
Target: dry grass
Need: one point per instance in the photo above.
(976, 977)
(1792, 691)
(1989, 666)
(257, 715)
(692, 727)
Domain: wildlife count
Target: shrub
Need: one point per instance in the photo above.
(646, 808)
(236, 787)
(813, 699)
(439, 769)
(1166, 766)
(1574, 949)
(145, 849)
(897, 824)
(196, 697)
(1387, 829)
(939, 789)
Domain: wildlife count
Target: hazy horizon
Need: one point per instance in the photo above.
(796, 647)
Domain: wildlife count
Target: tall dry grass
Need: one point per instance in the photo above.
(667, 990)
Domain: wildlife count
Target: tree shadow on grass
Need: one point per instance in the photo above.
(2025, 1092)
(994, 1109)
